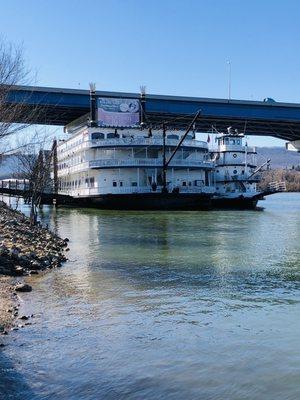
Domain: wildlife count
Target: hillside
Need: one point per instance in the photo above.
(280, 157)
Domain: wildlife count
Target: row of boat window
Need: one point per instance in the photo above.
(232, 141)
(89, 182)
(100, 135)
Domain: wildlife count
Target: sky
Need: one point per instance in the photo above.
(178, 47)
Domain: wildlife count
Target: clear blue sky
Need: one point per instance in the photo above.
(172, 47)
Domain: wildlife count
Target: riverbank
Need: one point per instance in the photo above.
(24, 250)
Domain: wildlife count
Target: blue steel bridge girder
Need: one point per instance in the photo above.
(62, 106)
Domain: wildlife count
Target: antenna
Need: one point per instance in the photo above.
(229, 79)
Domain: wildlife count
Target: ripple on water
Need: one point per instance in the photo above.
(165, 306)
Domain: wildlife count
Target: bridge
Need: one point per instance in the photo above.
(60, 106)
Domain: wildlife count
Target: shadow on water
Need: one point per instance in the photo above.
(13, 385)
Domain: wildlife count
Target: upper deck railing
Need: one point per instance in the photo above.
(232, 147)
(148, 162)
(140, 141)
(64, 149)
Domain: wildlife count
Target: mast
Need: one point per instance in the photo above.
(165, 162)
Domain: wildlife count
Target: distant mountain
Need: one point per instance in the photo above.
(280, 157)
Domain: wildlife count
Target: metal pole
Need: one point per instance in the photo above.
(164, 171)
(55, 166)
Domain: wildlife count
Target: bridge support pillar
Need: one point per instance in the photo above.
(294, 146)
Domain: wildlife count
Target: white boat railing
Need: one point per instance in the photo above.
(246, 149)
(77, 192)
(140, 141)
(277, 186)
(148, 162)
(65, 150)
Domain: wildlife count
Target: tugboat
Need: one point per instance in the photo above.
(236, 173)
(113, 160)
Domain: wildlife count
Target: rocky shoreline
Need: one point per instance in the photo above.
(24, 250)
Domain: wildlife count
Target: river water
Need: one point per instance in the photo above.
(158, 305)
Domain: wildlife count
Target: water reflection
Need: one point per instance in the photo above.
(167, 305)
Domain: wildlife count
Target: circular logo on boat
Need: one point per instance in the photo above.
(124, 107)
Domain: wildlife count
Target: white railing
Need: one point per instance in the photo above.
(73, 169)
(148, 162)
(237, 147)
(277, 186)
(20, 184)
(65, 149)
(140, 141)
(77, 192)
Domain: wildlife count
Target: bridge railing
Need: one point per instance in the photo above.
(15, 184)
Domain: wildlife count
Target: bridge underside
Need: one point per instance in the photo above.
(62, 106)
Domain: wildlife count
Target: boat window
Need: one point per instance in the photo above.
(235, 171)
(226, 140)
(184, 183)
(172, 136)
(238, 141)
(243, 172)
(110, 135)
(232, 141)
(121, 183)
(114, 183)
(97, 135)
(134, 184)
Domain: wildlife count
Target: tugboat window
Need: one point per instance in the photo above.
(97, 135)
(235, 171)
(172, 137)
(183, 183)
(114, 184)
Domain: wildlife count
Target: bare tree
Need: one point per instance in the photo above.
(34, 166)
(14, 115)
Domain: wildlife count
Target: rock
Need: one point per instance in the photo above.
(24, 317)
(23, 287)
(19, 271)
(33, 272)
(36, 265)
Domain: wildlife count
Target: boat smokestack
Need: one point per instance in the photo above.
(93, 105)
